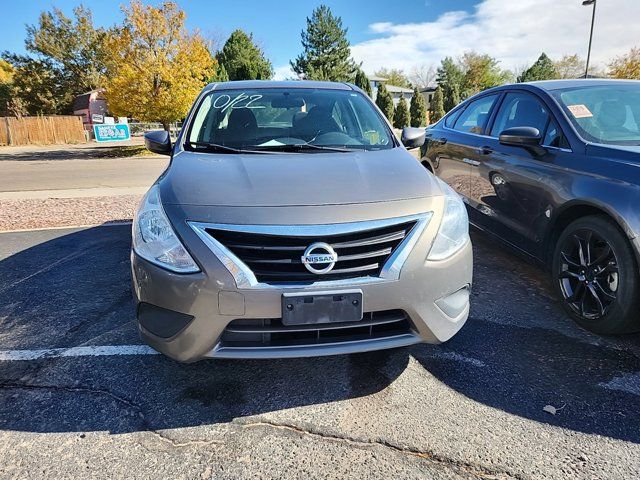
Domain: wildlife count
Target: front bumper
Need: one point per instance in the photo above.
(185, 316)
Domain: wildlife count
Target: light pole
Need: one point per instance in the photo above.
(593, 18)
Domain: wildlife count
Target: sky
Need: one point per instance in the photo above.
(402, 35)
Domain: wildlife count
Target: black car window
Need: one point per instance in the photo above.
(451, 118)
(554, 136)
(474, 118)
(520, 109)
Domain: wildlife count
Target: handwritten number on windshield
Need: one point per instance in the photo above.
(242, 100)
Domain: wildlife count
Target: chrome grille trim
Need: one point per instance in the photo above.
(246, 279)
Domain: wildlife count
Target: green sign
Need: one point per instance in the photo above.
(111, 133)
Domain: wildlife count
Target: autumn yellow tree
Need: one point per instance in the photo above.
(626, 66)
(155, 67)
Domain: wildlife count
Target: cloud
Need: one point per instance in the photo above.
(513, 31)
(283, 73)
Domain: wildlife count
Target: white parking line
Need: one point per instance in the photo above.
(118, 350)
(459, 358)
(92, 351)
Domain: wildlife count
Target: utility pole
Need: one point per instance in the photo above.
(593, 18)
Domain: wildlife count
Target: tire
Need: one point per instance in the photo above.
(595, 275)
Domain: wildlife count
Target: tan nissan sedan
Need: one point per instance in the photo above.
(291, 222)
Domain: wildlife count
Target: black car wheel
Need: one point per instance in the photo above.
(596, 276)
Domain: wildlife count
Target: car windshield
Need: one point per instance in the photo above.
(294, 119)
(607, 114)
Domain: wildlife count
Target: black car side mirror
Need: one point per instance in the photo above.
(413, 137)
(525, 137)
(158, 141)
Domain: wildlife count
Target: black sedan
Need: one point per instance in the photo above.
(553, 168)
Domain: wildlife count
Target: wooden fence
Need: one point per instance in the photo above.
(41, 130)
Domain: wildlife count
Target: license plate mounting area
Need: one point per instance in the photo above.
(321, 307)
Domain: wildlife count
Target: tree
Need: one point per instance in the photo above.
(72, 45)
(66, 59)
(569, 66)
(436, 109)
(384, 101)
(454, 98)
(220, 74)
(6, 86)
(326, 51)
(542, 69)
(157, 67)
(37, 87)
(418, 109)
(626, 66)
(363, 82)
(423, 75)
(242, 58)
(449, 78)
(394, 76)
(401, 114)
(481, 71)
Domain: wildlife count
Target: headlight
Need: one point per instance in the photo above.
(154, 238)
(453, 233)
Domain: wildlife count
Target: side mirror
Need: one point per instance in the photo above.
(525, 137)
(413, 137)
(158, 141)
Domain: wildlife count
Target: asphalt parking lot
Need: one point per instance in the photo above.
(81, 397)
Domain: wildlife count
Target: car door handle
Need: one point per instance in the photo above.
(485, 150)
(468, 161)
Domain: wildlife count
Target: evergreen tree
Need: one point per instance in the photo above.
(436, 109)
(326, 51)
(401, 114)
(417, 109)
(384, 101)
(454, 98)
(449, 77)
(242, 59)
(223, 76)
(542, 69)
(362, 82)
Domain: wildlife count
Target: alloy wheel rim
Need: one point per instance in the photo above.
(588, 275)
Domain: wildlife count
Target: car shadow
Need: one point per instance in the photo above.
(528, 354)
(74, 290)
(73, 152)
(65, 289)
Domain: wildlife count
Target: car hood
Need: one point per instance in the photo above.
(291, 179)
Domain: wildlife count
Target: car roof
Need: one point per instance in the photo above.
(578, 82)
(287, 84)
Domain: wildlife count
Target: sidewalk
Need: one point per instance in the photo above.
(67, 185)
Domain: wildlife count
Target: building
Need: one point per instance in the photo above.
(395, 91)
(427, 94)
(92, 107)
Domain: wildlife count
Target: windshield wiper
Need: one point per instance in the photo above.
(299, 147)
(215, 147)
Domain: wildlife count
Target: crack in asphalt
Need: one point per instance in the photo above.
(128, 403)
(470, 468)
(60, 261)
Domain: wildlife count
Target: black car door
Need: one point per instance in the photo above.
(512, 187)
(453, 146)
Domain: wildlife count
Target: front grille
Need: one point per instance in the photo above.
(256, 333)
(277, 258)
